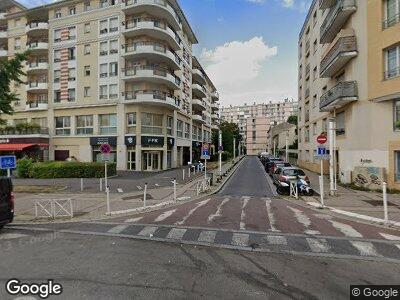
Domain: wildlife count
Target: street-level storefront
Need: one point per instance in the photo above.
(196, 151)
(96, 142)
(35, 147)
(152, 153)
(130, 143)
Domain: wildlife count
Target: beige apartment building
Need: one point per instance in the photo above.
(278, 135)
(108, 71)
(349, 62)
(254, 120)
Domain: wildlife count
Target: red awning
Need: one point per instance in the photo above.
(14, 147)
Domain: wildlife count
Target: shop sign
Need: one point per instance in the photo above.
(130, 140)
(100, 140)
(152, 141)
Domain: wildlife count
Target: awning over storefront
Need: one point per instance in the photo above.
(15, 147)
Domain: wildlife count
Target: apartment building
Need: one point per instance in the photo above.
(109, 71)
(349, 62)
(256, 134)
(271, 112)
(278, 135)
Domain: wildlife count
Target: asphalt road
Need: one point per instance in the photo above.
(243, 243)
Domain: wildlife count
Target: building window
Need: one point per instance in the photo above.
(57, 74)
(194, 132)
(72, 74)
(57, 14)
(103, 92)
(397, 159)
(179, 128)
(113, 69)
(87, 6)
(314, 128)
(63, 125)
(392, 63)
(87, 49)
(103, 48)
(325, 125)
(71, 53)
(103, 71)
(72, 11)
(57, 35)
(187, 130)
(113, 88)
(114, 47)
(340, 124)
(108, 124)
(57, 56)
(57, 96)
(392, 13)
(113, 24)
(17, 43)
(152, 123)
(131, 123)
(87, 27)
(170, 124)
(307, 134)
(87, 70)
(71, 95)
(103, 26)
(86, 91)
(397, 115)
(72, 33)
(84, 125)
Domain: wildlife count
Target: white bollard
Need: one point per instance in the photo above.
(101, 184)
(81, 184)
(385, 207)
(189, 172)
(321, 189)
(145, 195)
(183, 174)
(108, 200)
(174, 189)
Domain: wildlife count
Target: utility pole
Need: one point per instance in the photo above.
(220, 151)
(287, 146)
(234, 148)
(331, 157)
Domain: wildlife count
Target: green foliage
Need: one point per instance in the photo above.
(225, 156)
(292, 120)
(62, 169)
(398, 125)
(229, 132)
(10, 71)
(23, 166)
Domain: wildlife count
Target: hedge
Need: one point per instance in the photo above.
(62, 169)
(23, 166)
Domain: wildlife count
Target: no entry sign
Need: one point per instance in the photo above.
(321, 139)
(105, 148)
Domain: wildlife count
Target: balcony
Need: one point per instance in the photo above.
(156, 98)
(215, 127)
(339, 96)
(307, 93)
(215, 96)
(199, 118)
(153, 51)
(154, 29)
(198, 76)
(29, 130)
(36, 105)
(38, 46)
(35, 67)
(335, 19)
(161, 8)
(214, 116)
(3, 53)
(36, 87)
(151, 74)
(341, 52)
(3, 33)
(324, 4)
(198, 105)
(37, 28)
(307, 71)
(215, 106)
(199, 91)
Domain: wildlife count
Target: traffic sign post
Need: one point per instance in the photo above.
(105, 150)
(7, 163)
(321, 139)
(205, 154)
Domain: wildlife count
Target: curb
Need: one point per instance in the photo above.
(235, 167)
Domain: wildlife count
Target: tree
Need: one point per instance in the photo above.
(229, 132)
(292, 120)
(10, 71)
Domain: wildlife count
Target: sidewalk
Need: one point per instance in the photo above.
(369, 204)
(92, 205)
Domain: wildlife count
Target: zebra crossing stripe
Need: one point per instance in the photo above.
(10, 236)
(303, 219)
(148, 231)
(118, 229)
(390, 237)
(218, 213)
(240, 239)
(270, 215)
(398, 246)
(365, 248)
(318, 245)
(164, 215)
(133, 220)
(200, 204)
(346, 229)
(207, 236)
(276, 240)
(176, 233)
(243, 214)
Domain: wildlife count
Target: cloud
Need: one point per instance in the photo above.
(300, 5)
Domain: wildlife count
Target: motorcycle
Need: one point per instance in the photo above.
(303, 188)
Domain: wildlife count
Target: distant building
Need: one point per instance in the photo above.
(276, 136)
(256, 133)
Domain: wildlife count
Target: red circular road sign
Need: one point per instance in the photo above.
(321, 139)
(105, 148)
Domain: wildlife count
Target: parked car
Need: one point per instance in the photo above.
(276, 165)
(6, 201)
(269, 162)
(286, 174)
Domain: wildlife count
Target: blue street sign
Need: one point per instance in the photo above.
(8, 162)
(321, 151)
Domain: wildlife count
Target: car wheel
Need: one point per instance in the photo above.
(310, 193)
(280, 190)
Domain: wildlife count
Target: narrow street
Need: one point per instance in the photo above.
(243, 242)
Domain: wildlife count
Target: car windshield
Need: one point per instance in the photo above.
(293, 172)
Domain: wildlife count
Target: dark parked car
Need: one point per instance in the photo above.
(270, 161)
(276, 165)
(6, 201)
(287, 174)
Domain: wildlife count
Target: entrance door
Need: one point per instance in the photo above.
(151, 161)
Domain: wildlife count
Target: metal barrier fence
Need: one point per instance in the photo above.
(53, 208)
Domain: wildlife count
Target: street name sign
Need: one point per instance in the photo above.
(8, 162)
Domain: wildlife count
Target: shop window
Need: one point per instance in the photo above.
(108, 124)
(131, 161)
(63, 125)
(179, 128)
(84, 125)
(170, 125)
(131, 123)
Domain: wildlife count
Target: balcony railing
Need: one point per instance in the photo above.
(338, 96)
(156, 47)
(391, 73)
(12, 130)
(335, 19)
(389, 22)
(155, 95)
(157, 71)
(344, 49)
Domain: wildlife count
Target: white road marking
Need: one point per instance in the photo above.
(139, 187)
(218, 213)
(164, 215)
(176, 233)
(365, 248)
(303, 219)
(10, 236)
(156, 184)
(346, 229)
(207, 236)
(240, 239)
(398, 246)
(133, 220)
(318, 245)
(200, 204)
(277, 240)
(148, 231)
(243, 214)
(118, 229)
(390, 237)
(270, 215)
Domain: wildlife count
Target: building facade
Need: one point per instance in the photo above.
(349, 63)
(254, 121)
(110, 71)
(278, 135)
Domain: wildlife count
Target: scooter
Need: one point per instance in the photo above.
(303, 188)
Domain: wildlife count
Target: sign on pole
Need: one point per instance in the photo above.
(220, 149)
(321, 139)
(105, 148)
(8, 162)
(205, 151)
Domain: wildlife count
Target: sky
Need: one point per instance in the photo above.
(247, 47)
